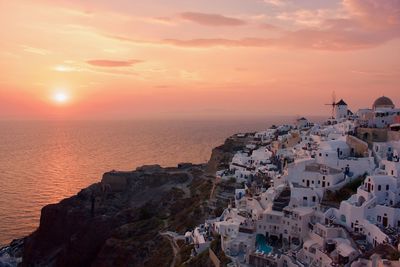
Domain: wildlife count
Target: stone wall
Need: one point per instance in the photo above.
(357, 146)
(294, 140)
(393, 135)
(371, 135)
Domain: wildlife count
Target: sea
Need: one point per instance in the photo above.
(42, 162)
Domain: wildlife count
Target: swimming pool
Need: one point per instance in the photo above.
(261, 244)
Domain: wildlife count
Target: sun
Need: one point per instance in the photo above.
(60, 97)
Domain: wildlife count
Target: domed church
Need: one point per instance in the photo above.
(383, 102)
(382, 115)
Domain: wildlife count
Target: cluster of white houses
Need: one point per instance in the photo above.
(291, 222)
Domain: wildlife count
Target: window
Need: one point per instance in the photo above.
(304, 198)
(312, 182)
(314, 199)
(379, 218)
(387, 187)
(379, 187)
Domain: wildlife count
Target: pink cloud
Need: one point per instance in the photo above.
(377, 14)
(369, 24)
(362, 24)
(269, 27)
(211, 19)
(276, 2)
(221, 42)
(304, 39)
(112, 63)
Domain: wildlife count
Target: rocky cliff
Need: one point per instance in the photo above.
(119, 221)
(222, 155)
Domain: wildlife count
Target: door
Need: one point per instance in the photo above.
(385, 221)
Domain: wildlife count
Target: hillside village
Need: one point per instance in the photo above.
(309, 194)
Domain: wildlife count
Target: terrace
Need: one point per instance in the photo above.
(320, 168)
(248, 226)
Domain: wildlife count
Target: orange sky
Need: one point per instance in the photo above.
(195, 59)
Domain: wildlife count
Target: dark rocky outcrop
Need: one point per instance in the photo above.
(117, 222)
(222, 155)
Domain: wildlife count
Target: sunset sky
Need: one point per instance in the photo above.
(125, 59)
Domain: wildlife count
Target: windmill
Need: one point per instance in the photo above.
(333, 104)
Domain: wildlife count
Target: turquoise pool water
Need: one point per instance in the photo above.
(261, 244)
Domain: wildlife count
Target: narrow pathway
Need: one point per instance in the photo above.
(184, 186)
(216, 182)
(175, 247)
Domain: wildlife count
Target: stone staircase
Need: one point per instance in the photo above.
(282, 200)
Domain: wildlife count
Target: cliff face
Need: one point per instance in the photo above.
(117, 222)
(222, 155)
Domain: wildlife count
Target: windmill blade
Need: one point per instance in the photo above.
(333, 103)
(334, 98)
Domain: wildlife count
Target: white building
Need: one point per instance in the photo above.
(373, 211)
(382, 114)
(300, 164)
(341, 110)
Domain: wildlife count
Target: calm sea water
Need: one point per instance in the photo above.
(44, 162)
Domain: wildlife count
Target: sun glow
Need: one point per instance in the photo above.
(60, 97)
(63, 68)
